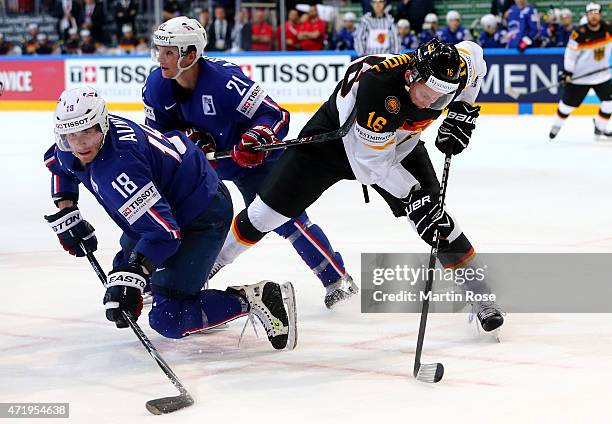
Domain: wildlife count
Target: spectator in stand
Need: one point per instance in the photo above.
(68, 13)
(490, 37)
(523, 25)
(88, 44)
(454, 32)
(44, 45)
(344, 39)
(172, 9)
(262, 32)
(241, 34)
(312, 32)
(220, 32)
(414, 11)
(407, 38)
(377, 32)
(565, 29)
(500, 7)
(93, 19)
(31, 43)
(204, 19)
(125, 14)
(128, 41)
(5, 47)
(292, 26)
(430, 29)
(72, 44)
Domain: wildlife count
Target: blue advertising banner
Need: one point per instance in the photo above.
(523, 73)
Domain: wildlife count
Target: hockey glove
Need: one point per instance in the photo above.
(455, 132)
(204, 141)
(124, 289)
(565, 77)
(425, 215)
(524, 43)
(244, 153)
(72, 230)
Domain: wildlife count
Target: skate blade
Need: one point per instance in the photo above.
(288, 293)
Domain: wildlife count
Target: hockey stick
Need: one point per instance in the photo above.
(163, 405)
(332, 135)
(512, 92)
(431, 373)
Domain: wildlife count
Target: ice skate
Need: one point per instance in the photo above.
(490, 317)
(553, 132)
(340, 291)
(602, 135)
(274, 305)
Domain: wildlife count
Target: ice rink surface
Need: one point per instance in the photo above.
(512, 191)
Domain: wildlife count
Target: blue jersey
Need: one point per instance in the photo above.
(344, 39)
(448, 36)
(523, 22)
(151, 185)
(225, 104)
(409, 41)
(426, 35)
(562, 36)
(495, 40)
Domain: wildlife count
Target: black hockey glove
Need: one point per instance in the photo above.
(124, 288)
(456, 130)
(565, 77)
(72, 230)
(424, 213)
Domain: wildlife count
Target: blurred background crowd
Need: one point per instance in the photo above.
(39, 27)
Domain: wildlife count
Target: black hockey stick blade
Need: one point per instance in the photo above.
(169, 404)
(430, 373)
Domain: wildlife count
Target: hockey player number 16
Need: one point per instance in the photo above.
(378, 123)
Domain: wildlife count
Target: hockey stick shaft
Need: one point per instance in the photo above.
(332, 135)
(430, 270)
(140, 334)
(515, 95)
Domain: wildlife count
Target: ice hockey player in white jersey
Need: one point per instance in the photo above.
(588, 51)
(396, 98)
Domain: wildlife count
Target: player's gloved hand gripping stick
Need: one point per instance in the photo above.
(332, 135)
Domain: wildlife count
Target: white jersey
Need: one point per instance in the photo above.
(377, 35)
(589, 51)
(388, 126)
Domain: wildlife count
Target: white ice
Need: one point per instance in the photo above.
(512, 191)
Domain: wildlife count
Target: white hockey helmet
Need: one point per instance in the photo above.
(403, 23)
(349, 16)
(488, 22)
(431, 18)
(78, 109)
(593, 7)
(452, 15)
(185, 33)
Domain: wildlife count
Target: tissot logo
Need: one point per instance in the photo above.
(109, 74)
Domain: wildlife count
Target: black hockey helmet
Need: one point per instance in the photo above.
(437, 64)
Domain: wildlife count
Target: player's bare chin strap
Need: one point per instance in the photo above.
(248, 227)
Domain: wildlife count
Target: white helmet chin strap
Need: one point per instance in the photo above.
(181, 69)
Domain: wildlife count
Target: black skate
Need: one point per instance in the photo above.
(553, 132)
(490, 316)
(274, 305)
(602, 135)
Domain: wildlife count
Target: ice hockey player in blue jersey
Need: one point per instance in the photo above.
(221, 109)
(490, 37)
(454, 33)
(523, 25)
(174, 213)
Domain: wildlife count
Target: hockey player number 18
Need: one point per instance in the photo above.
(128, 185)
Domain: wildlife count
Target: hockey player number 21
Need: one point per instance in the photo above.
(234, 83)
(378, 123)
